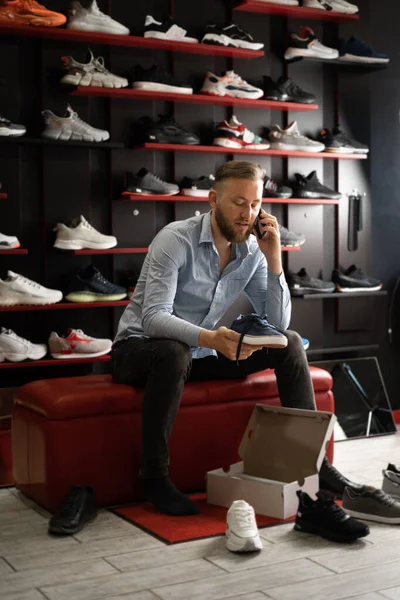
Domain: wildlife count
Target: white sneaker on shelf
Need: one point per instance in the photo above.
(92, 73)
(241, 528)
(307, 45)
(80, 234)
(341, 6)
(8, 242)
(92, 19)
(230, 84)
(290, 139)
(166, 30)
(71, 127)
(77, 344)
(17, 349)
(17, 289)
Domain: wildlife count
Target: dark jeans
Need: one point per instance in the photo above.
(161, 367)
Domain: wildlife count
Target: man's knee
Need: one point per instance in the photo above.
(295, 343)
(175, 355)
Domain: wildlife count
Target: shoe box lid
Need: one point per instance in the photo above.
(285, 444)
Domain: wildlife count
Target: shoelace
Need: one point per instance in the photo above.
(384, 498)
(244, 517)
(329, 503)
(98, 64)
(250, 322)
(12, 333)
(29, 282)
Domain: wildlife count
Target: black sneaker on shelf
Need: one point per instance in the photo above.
(231, 35)
(301, 283)
(78, 507)
(92, 286)
(291, 239)
(285, 90)
(325, 518)
(156, 79)
(198, 188)
(147, 183)
(168, 131)
(332, 481)
(338, 141)
(354, 280)
(272, 189)
(311, 187)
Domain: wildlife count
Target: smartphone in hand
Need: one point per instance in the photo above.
(258, 228)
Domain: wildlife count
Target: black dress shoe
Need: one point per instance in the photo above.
(332, 481)
(78, 507)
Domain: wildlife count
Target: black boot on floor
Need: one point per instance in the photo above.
(77, 508)
(332, 481)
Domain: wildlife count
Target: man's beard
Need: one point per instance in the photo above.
(228, 231)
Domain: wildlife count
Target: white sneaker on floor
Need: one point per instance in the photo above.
(92, 19)
(307, 45)
(16, 349)
(77, 344)
(241, 528)
(230, 84)
(7, 242)
(92, 73)
(80, 234)
(17, 289)
(71, 127)
(290, 139)
(336, 5)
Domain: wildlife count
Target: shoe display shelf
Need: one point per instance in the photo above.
(108, 251)
(53, 362)
(344, 350)
(39, 141)
(64, 306)
(192, 99)
(126, 196)
(14, 251)
(3, 196)
(341, 295)
(69, 35)
(294, 12)
(351, 65)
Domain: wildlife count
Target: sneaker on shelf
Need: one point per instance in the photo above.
(302, 283)
(146, 183)
(198, 188)
(7, 242)
(155, 79)
(93, 73)
(231, 35)
(166, 30)
(371, 504)
(92, 19)
(393, 468)
(242, 533)
(257, 331)
(91, 286)
(229, 84)
(290, 239)
(70, 128)
(285, 90)
(332, 481)
(167, 131)
(282, 2)
(341, 142)
(307, 45)
(272, 189)
(17, 349)
(30, 12)
(290, 139)
(311, 187)
(76, 344)
(17, 289)
(80, 234)
(357, 51)
(354, 280)
(9, 129)
(306, 343)
(325, 518)
(233, 134)
(77, 508)
(391, 482)
(341, 6)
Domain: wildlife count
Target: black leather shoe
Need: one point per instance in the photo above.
(332, 481)
(78, 508)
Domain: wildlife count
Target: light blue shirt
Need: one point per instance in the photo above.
(180, 290)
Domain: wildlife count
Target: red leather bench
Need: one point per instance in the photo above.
(87, 431)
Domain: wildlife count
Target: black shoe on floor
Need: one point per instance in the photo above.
(330, 480)
(354, 280)
(301, 283)
(285, 90)
(311, 187)
(275, 190)
(168, 131)
(156, 79)
(77, 508)
(92, 286)
(325, 518)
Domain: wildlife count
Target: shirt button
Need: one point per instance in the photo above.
(216, 264)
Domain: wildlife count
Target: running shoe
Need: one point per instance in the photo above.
(30, 12)
(166, 30)
(9, 129)
(92, 19)
(76, 344)
(231, 35)
(307, 45)
(229, 84)
(290, 139)
(16, 349)
(8, 242)
(80, 234)
(92, 74)
(233, 134)
(71, 128)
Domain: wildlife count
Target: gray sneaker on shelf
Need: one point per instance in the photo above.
(71, 127)
(290, 239)
(291, 140)
(391, 482)
(371, 504)
(146, 183)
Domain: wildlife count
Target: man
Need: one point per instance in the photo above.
(194, 270)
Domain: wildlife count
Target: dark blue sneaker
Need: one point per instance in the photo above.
(92, 286)
(257, 331)
(355, 50)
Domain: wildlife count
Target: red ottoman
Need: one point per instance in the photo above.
(87, 430)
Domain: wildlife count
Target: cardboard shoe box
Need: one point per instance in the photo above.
(282, 451)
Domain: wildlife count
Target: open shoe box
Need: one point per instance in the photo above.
(282, 451)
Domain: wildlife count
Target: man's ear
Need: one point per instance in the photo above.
(212, 198)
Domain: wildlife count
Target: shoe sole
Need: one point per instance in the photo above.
(60, 356)
(316, 196)
(91, 297)
(345, 290)
(269, 341)
(4, 131)
(195, 193)
(16, 357)
(283, 195)
(237, 94)
(30, 301)
(165, 140)
(63, 136)
(91, 82)
(149, 193)
(10, 246)
(249, 545)
(82, 244)
(224, 40)
(295, 148)
(159, 35)
(306, 290)
(151, 86)
(364, 59)
(292, 53)
(85, 26)
(376, 518)
(325, 534)
(227, 143)
(55, 531)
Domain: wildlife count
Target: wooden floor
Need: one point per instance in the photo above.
(110, 559)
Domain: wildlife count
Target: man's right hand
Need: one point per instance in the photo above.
(225, 341)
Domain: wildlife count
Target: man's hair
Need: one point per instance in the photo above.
(241, 169)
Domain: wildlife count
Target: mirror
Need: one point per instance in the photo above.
(362, 405)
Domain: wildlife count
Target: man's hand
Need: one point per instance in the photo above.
(225, 341)
(270, 244)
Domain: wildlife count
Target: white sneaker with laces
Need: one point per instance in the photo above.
(158, 30)
(92, 19)
(230, 84)
(17, 289)
(241, 528)
(341, 6)
(80, 234)
(92, 73)
(8, 242)
(71, 127)
(77, 344)
(16, 349)
(290, 139)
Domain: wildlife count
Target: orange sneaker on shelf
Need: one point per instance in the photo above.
(30, 12)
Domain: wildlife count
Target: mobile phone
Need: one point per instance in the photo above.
(258, 228)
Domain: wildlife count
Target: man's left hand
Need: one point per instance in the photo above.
(270, 244)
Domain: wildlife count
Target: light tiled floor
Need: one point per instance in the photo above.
(110, 559)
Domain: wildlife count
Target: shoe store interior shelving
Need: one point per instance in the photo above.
(294, 12)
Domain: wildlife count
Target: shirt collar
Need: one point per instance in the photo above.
(239, 250)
